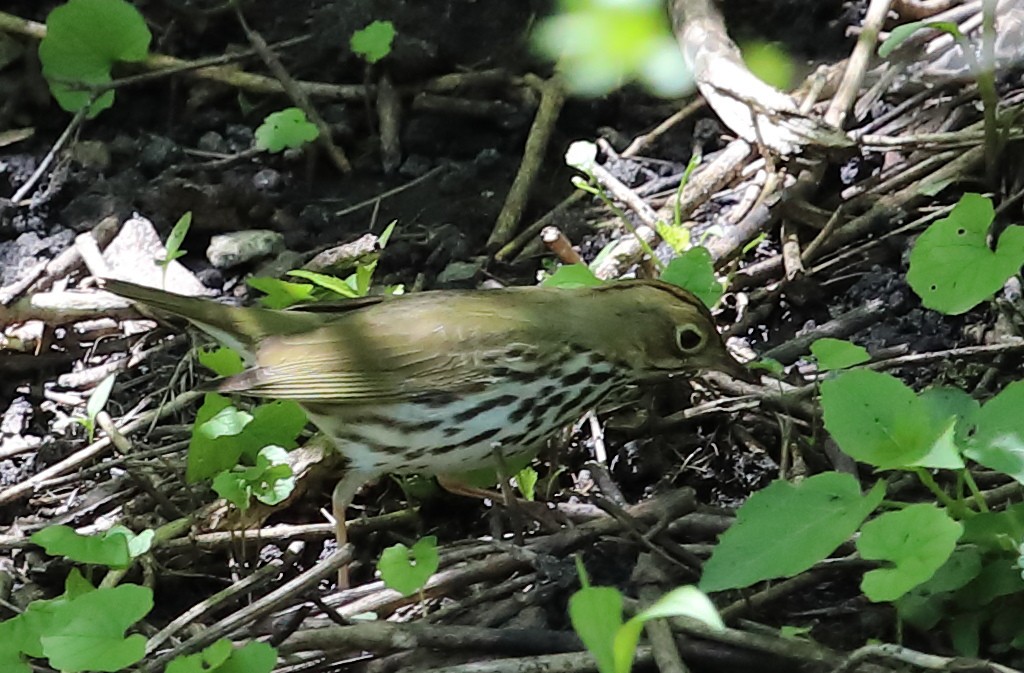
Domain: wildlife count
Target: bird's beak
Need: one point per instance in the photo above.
(737, 370)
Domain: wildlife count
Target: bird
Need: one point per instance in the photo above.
(447, 381)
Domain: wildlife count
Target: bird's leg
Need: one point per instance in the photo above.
(515, 505)
(344, 492)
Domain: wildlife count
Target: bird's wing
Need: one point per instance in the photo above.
(344, 364)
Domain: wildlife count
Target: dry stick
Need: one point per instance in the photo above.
(376, 636)
(559, 245)
(857, 65)
(389, 116)
(520, 242)
(705, 182)
(297, 95)
(69, 260)
(71, 128)
(226, 75)
(193, 614)
(289, 591)
(95, 449)
(552, 97)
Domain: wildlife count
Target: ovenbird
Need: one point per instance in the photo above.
(437, 382)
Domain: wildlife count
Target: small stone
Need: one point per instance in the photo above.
(230, 250)
(157, 153)
(211, 141)
(267, 180)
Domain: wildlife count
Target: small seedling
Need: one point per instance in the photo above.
(84, 38)
(174, 241)
(373, 42)
(596, 615)
(270, 480)
(94, 405)
(287, 129)
(223, 657)
(405, 569)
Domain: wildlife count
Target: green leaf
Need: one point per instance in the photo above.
(111, 551)
(770, 63)
(208, 660)
(998, 439)
(942, 404)
(681, 602)
(174, 240)
(925, 605)
(331, 283)
(877, 419)
(97, 400)
(276, 423)
(786, 528)
(601, 45)
(84, 38)
(373, 42)
(253, 657)
(221, 360)
(11, 640)
(275, 481)
(952, 268)
(917, 540)
(137, 544)
(596, 616)
(838, 354)
(902, 33)
(233, 486)
(695, 271)
(676, 235)
(212, 448)
(280, 293)
(407, 570)
(288, 128)
(572, 276)
(526, 481)
(88, 632)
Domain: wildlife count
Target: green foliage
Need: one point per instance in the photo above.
(695, 271)
(917, 540)
(373, 42)
(81, 630)
(270, 480)
(596, 615)
(222, 434)
(286, 129)
(526, 481)
(84, 38)
(221, 360)
(572, 276)
(997, 440)
(406, 570)
(282, 294)
(174, 241)
(222, 657)
(676, 235)
(952, 267)
(879, 420)
(786, 528)
(901, 33)
(94, 405)
(602, 44)
(837, 354)
(110, 549)
(770, 63)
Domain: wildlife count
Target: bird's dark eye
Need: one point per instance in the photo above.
(689, 338)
